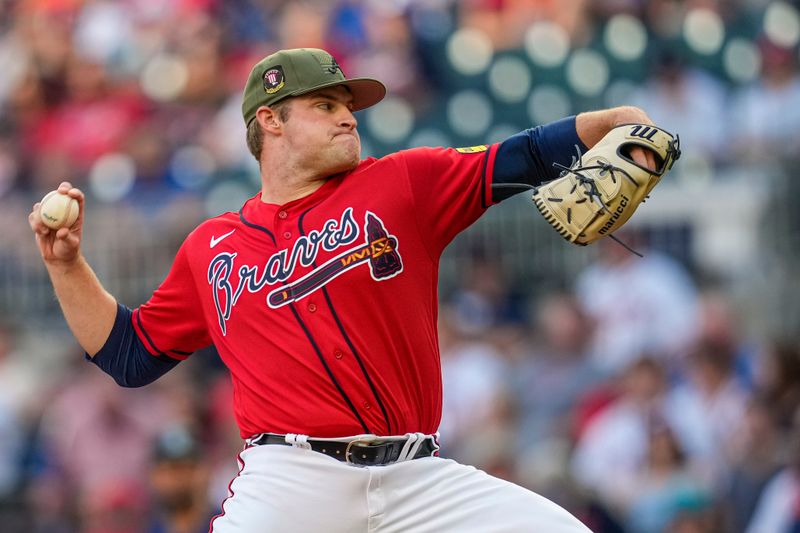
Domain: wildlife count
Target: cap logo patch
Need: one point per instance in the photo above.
(274, 79)
(332, 66)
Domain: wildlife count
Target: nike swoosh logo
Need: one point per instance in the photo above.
(216, 240)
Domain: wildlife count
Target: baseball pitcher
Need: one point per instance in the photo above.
(320, 295)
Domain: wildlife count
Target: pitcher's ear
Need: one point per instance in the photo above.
(268, 118)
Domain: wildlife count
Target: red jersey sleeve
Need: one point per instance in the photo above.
(450, 189)
(171, 322)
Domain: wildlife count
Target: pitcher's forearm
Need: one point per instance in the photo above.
(88, 308)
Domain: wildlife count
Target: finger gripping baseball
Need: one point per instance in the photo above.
(602, 188)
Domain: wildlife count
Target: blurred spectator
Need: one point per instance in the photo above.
(474, 394)
(756, 454)
(96, 440)
(179, 477)
(666, 485)
(765, 116)
(612, 450)
(605, 9)
(638, 305)
(695, 517)
(505, 22)
(721, 324)
(18, 377)
(221, 436)
(11, 429)
(555, 372)
(119, 507)
(707, 408)
(70, 131)
(9, 167)
(98, 436)
(389, 57)
(778, 508)
(484, 298)
(778, 380)
(688, 101)
(632, 458)
(550, 377)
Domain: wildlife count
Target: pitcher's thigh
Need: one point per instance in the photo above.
(287, 489)
(440, 495)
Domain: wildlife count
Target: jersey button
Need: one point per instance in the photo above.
(312, 308)
(287, 235)
(367, 406)
(338, 354)
(283, 214)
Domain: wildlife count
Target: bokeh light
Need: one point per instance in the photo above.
(192, 167)
(587, 72)
(510, 79)
(164, 77)
(391, 121)
(547, 44)
(547, 103)
(704, 31)
(742, 60)
(112, 176)
(102, 31)
(782, 24)
(469, 51)
(469, 113)
(625, 37)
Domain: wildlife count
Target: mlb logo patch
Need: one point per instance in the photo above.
(274, 79)
(472, 149)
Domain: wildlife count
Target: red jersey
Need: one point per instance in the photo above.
(325, 309)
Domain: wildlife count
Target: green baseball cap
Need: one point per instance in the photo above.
(300, 71)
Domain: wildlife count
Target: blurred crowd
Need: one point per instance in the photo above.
(635, 397)
(634, 394)
(141, 98)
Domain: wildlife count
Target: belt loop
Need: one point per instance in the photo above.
(435, 442)
(298, 441)
(411, 446)
(253, 441)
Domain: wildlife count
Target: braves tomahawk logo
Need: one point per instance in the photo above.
(379, 251)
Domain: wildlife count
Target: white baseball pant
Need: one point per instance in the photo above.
(286, 488)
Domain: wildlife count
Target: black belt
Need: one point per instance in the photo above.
(364, 451)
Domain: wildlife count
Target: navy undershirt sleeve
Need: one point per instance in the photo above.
(528, 156)
(125, 358)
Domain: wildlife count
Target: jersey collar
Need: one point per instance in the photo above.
(263, 213)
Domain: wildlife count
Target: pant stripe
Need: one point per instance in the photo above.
(230, 493)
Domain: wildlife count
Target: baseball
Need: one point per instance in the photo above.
(58, 210)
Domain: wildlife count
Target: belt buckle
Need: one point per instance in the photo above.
(348, 450)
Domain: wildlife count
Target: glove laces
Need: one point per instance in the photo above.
(590, 186)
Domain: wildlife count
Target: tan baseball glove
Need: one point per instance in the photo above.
(603, 187)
